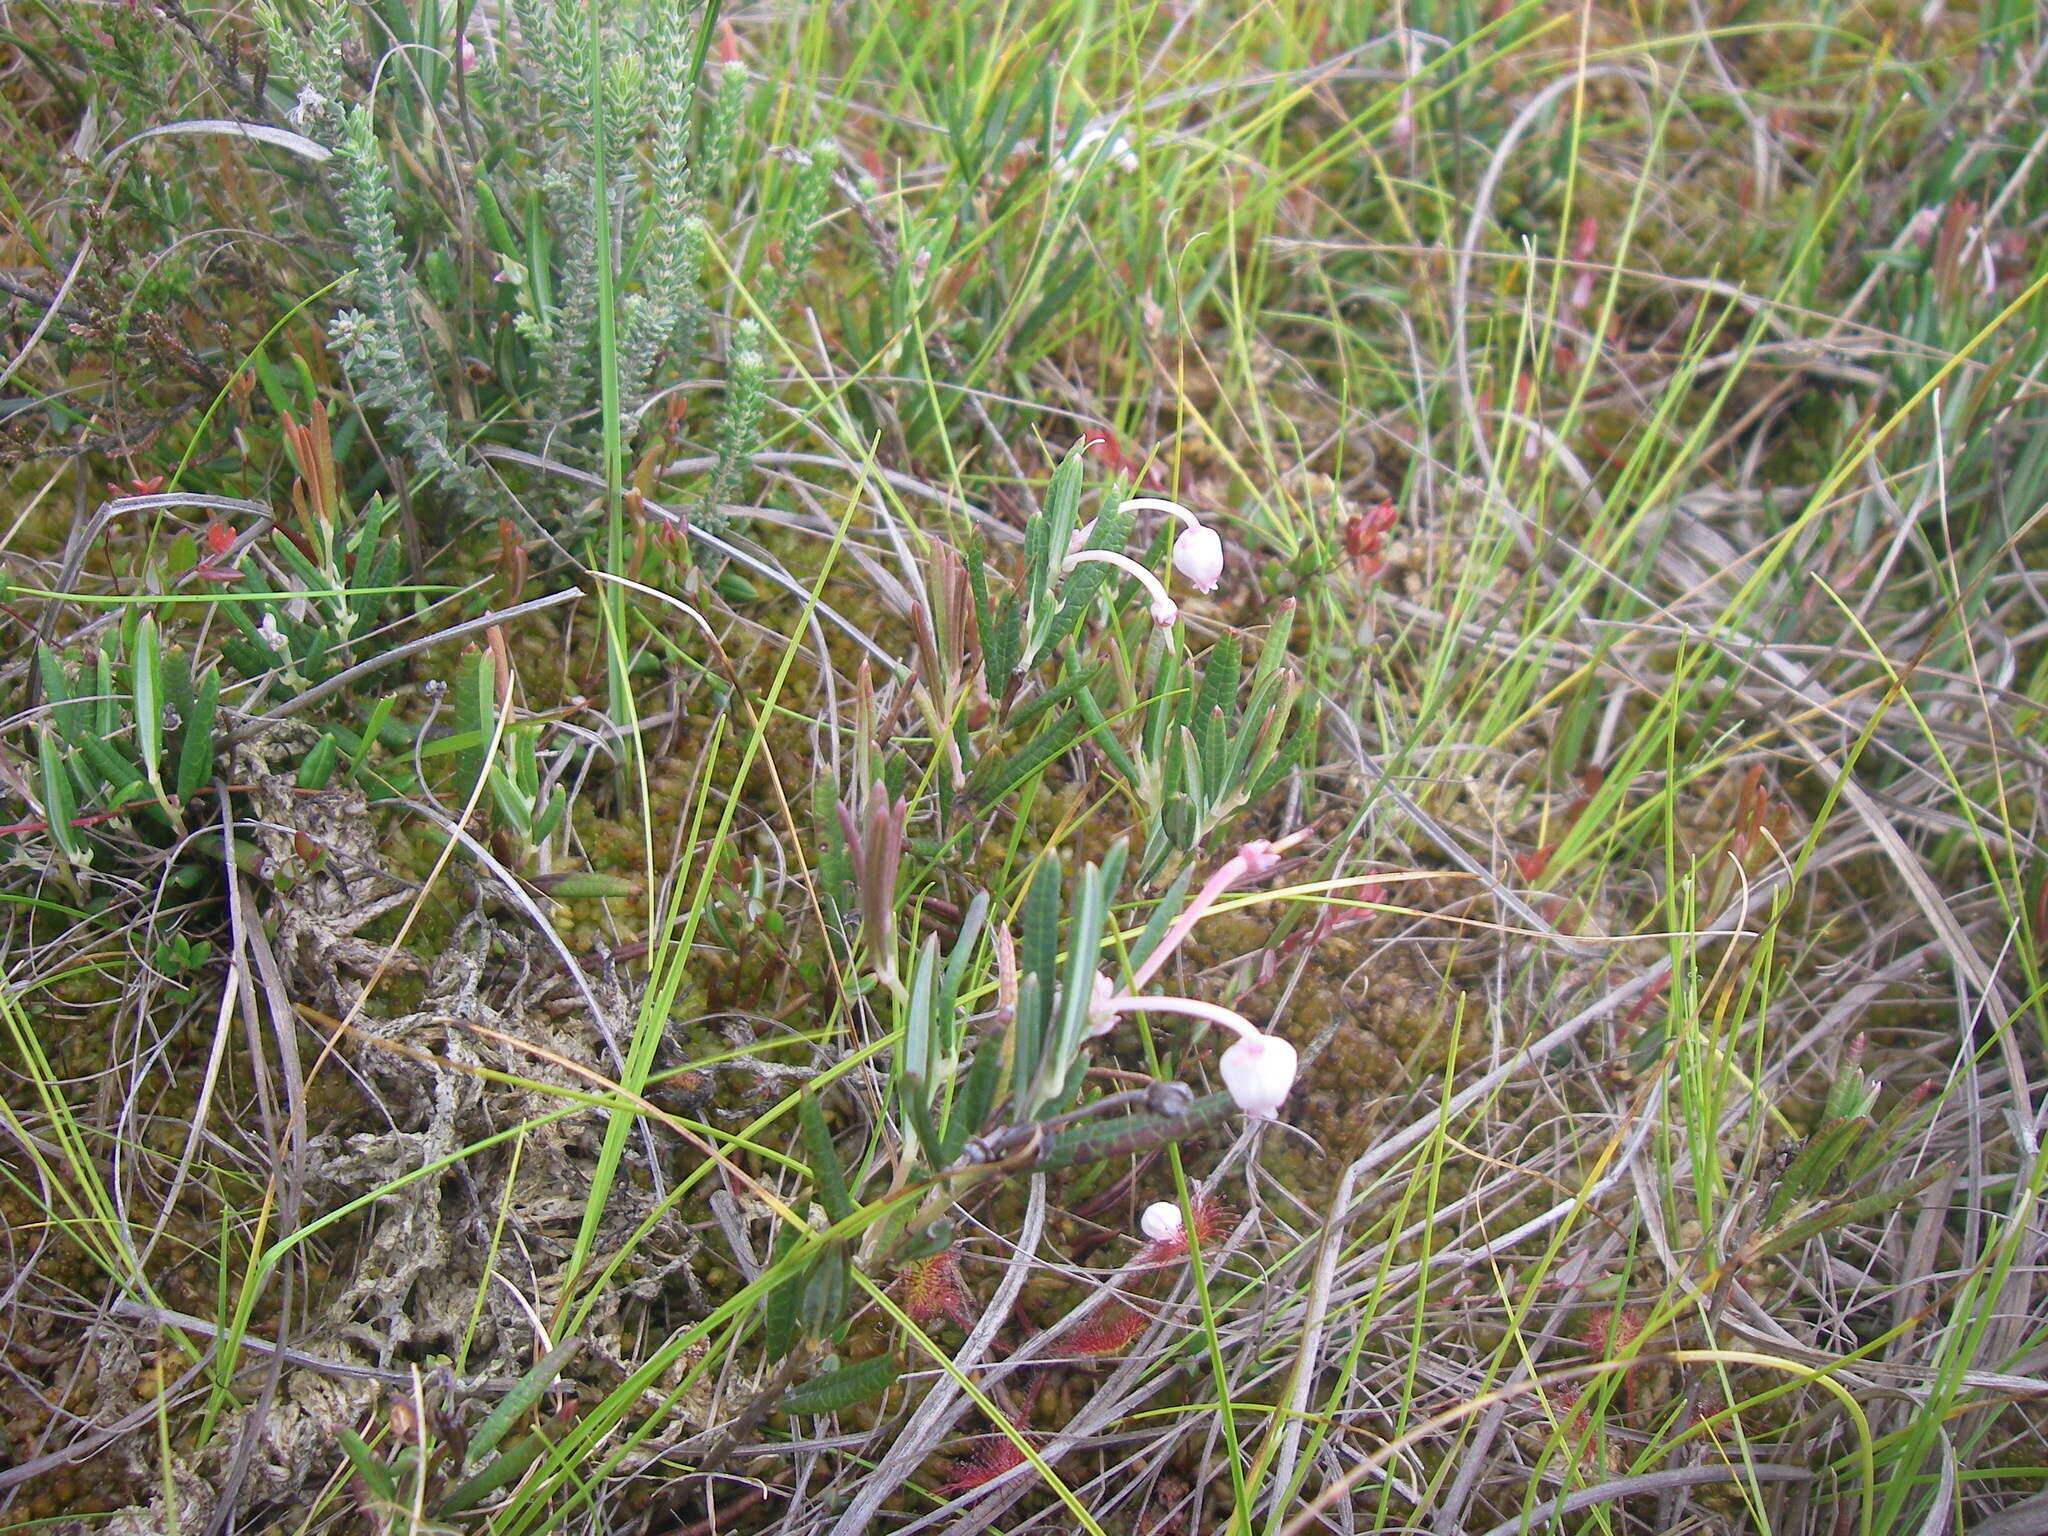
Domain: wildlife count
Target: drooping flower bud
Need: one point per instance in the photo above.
(1171, 1231)
(1259, 1070)
(1161, 1221)
(1198, 556)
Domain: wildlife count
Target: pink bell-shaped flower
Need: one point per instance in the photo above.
(1259, 1070)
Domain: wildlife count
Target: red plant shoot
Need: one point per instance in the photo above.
(1364, 538)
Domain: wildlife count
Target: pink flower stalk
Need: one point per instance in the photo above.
(1256, 858)
(1584, 243)
(1259, 1069)
(1402, 132)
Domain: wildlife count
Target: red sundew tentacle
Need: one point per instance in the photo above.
(931, 1290)
(997, 1455)
(1109, 1328)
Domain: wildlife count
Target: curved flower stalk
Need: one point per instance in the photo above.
(1197, 549)
(1260, 856)
(1259, 1069)
(1164, 610)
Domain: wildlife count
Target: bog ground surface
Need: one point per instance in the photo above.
(1133, 768)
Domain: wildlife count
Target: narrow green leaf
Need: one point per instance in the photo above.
(1283, 763)
(1220, 675)
(589, 885)
(968, 1114)
(551, 815)
(826, 1176)
(915, 1059)
(778, 1313)
(946, 1035)
(1104, 736)
(1809, 1172)
(1273, 654)
(110, 762)
(105, 703)
(841, 1389)
(1078, 589)
(1084, 948)
(195, 743)
(147, 677)
(1002, 644)
(914, 1094)
(516, 1403)
(496, 230)
(997, 776)
(473, 699)
(316, 770)
(1873, 1148)
(58, 805)
(503, 1471)
(375, 1475)
(1169, 703)
(1093, 1141)
(1163, 913)
(1828, 1217)
(1027, 1043)
(1039, 953)
(71, 718)
(1210, 749)
(825, 1291)
(977, 583)
(514, 808)
(373, 727)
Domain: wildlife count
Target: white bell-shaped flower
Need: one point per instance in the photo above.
(1259, 1070)
(1198, 556)
(1102, 1014)
(1161, 1221)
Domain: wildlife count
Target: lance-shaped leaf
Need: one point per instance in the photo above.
(836, 1390)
